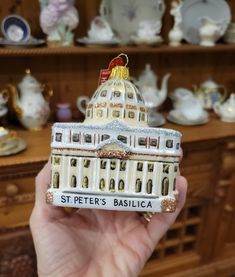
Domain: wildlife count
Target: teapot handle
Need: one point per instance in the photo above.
(14, 99)
(82, 102)
(47, 92)
(224, 94)
(5, 95)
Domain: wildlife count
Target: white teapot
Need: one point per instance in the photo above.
(226, 111)
(147, 84)
(29, 103)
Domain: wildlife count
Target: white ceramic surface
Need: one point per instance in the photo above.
(32, 42)
(124, 16)
(194, 10)
(90, 42)
(226, 111)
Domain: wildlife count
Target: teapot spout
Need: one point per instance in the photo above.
(162, 93)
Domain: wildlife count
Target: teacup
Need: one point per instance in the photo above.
(7, 139)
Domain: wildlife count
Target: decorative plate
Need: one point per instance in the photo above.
(89, 42)
(174, 116)
(194, 10)
(32, 42)
(124, 16)
(141, 41)
(15, 28)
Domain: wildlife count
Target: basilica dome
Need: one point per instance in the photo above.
(117, 99)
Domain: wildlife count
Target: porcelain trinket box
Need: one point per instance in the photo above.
(114, 160)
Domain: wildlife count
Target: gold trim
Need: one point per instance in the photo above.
(49, 197)
(168, 205)
(113, 154)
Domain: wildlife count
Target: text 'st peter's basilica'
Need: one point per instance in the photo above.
(113, 160)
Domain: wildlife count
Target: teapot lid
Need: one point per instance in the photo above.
(209, 84)
(28, 80)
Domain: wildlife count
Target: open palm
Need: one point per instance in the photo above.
(94, 242)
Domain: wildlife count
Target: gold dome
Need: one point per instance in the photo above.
(117, 99)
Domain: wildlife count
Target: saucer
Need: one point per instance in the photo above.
(146, 41)
(18, 146)
(175, 116)
(32, 42)
(15, 28)
(98, 43)
(155, 119)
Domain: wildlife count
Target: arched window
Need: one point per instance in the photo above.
(102, 184)
(174, 184)
(73, 181)
(56, 180)
(121, 185)
(85, 182)
(165, 186)
(138, 185)
(112, 185)
(149, 187)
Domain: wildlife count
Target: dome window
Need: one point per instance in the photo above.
(153, 142)
(116, 93)
(169, 143)
(88, 138)
(75, 137)
(130, 95)
(58, 137)
(103, 93)
(105, 137)
(122, 138)
(142, 141)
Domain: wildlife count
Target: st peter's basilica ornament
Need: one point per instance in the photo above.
(114, 160)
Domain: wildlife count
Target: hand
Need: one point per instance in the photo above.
(94, 242)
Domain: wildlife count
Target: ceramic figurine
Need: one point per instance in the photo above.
(124, 16)
(188, 109)
(176, 33)
(210, 92)
(226, 111)
(114, 160)
(30, 104)
(148, 32)
(3, 100)
(58, 19)
(100, 30)
(210, 31)
(153, 96)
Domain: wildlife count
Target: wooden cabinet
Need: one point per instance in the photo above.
(202, 240)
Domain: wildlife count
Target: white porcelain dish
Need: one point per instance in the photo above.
(175, 116)
(32, 42)
(124, 16)
(15, 28)
(194, 10)
(89, 42)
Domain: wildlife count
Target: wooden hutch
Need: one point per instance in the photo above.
(202, 240)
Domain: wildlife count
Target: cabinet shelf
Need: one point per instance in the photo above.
(80, 50)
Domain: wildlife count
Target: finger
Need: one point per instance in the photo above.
(42, 183)
(161, 222)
